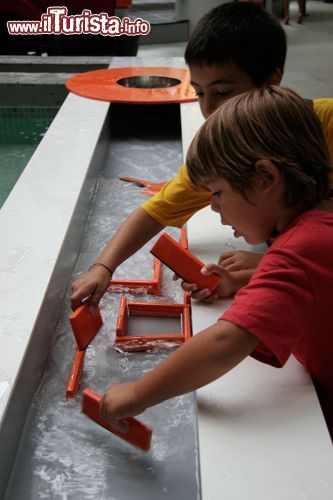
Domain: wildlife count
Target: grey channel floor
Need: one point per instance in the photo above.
(63, 454)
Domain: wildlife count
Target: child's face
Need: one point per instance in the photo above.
(216, 83)
(254, 218)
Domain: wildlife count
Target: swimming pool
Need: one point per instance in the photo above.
(21, 130)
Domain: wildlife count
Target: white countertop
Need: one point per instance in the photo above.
(34, 220)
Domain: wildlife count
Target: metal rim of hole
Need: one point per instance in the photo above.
(148, 82)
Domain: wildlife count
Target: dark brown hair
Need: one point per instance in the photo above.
(241, 34)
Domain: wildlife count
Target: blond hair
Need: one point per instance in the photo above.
(271, 123)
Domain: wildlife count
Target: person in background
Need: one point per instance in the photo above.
(301, 11)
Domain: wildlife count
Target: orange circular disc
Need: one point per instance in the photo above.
(136, 85)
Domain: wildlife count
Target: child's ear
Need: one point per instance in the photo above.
(268, 175)
(275, 77)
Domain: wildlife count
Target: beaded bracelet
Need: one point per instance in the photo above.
(103, 265)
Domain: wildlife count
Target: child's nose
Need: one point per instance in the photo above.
(208, 106)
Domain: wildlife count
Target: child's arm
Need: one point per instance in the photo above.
(173, 206)
(204, 358)
(136, 230)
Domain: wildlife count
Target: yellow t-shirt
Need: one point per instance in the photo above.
(324, 110)
(179, 199)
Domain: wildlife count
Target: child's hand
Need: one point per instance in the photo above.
(226, 288)
(239, 260)
(92, 284)
(118, 402)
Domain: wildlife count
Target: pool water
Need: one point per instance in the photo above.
(21, 130)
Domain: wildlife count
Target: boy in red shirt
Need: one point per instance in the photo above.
(264, 185)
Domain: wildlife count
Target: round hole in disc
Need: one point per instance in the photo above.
(148, 82)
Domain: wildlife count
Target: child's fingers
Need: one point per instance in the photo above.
(175, 277)
(234, 266)
(202, 294)
(211, 298)
(77, 297)
(96, 297)
(120, 425)
(189, 287)
(212, 268)
(226, 262)
(226, 255)
(85, 292)
(75, 302)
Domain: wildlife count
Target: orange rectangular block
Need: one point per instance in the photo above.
(75, 374)
(183, 263)
(85, 324)
(137, 433)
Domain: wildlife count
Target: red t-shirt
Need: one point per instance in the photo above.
(288, 304)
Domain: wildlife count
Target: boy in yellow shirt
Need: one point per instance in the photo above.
(234, 48)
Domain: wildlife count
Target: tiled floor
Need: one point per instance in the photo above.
(154, 11)
(309, 68)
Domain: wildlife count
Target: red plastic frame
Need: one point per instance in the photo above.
(132, 343)
(75, 374)
(187, 298)
(183, 237)
(153, 287)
